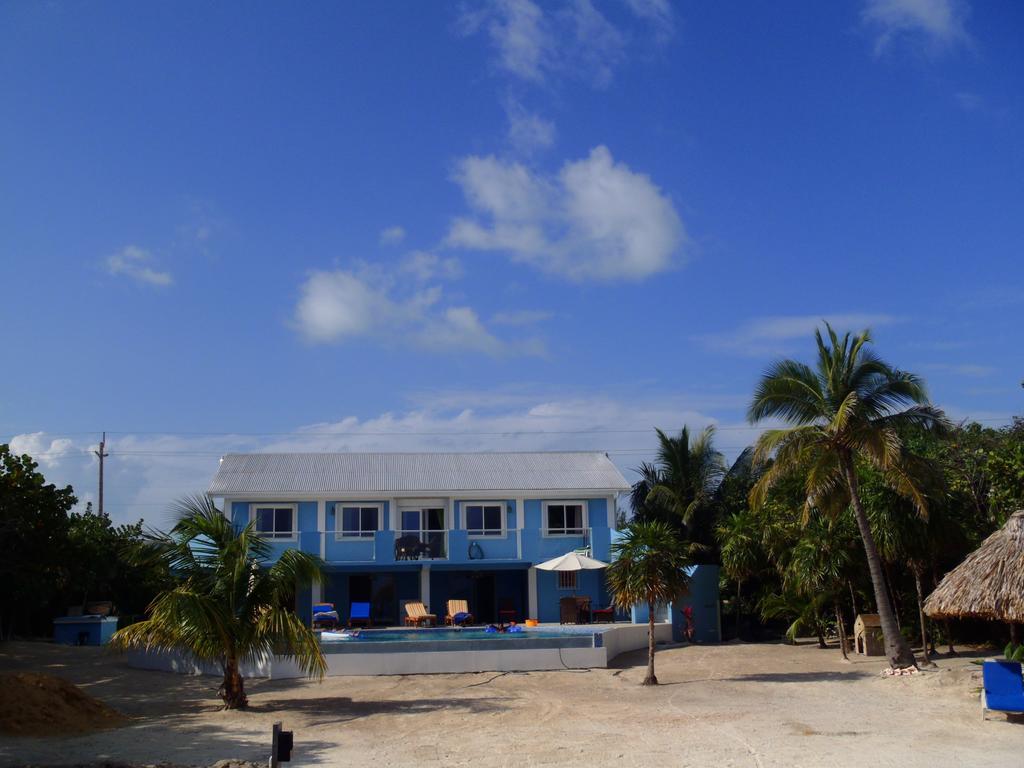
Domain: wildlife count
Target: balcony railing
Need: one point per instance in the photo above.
(457, 546)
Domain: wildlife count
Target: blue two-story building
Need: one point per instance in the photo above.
(430, 527)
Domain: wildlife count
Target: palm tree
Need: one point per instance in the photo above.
(228, 608)
(819, 564)
(678, 489)
(851, 407)
(649, 566)
(740, 538)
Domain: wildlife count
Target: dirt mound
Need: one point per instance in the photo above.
(42, 705)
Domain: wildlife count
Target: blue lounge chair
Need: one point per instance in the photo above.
(359, 613)
(1003, 689)
(324, 616)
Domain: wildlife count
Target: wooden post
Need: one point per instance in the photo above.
(275, 735)
(102, 454)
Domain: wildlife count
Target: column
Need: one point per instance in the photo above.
(425, 586)
(321, 526)
(531, 593)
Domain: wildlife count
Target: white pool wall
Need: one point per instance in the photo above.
(615, 640)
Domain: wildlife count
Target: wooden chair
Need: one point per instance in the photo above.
(567, 613)
(416, 615)
(582, 610)
(506, 611)
(455, 607)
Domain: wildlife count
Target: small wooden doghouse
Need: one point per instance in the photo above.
(867, 635)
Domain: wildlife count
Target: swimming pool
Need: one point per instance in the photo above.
(441, 651)
(469, 640)
(458, 634)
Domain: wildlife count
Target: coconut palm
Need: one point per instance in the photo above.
(678, 488)
(819, 565)
(229, 607)
(850, 408)
(649, 567)
(740, 537)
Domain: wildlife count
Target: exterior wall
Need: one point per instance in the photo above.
(703, 598)
(524, 540)
(588, 584)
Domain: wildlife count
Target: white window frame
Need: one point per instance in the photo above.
(339, 533)
(560, 533)
(574, 582)
(293, 536)
(481, 533)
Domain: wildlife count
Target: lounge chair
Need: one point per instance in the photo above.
(359, 613)
(1003, 689)
(416, 615)
(458, 613)
(603, 614)
(325, 617)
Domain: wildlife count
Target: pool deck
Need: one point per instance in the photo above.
(582, 647)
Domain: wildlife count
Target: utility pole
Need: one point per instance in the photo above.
(102, 453)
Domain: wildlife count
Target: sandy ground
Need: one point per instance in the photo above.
(729, 705)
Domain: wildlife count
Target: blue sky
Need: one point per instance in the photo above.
(489, 225)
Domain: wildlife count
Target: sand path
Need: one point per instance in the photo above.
(731, 705)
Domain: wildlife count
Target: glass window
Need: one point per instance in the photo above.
(565, 519)
(359, 522)
(411, 520)
(484, 519)
(567, 579)
(275, 522)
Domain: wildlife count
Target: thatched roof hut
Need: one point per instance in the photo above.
(989, 584)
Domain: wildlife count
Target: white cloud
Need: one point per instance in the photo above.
(534, 43)
(47, 452)
(339, 306)
(658, 13)
(425, 266)
(598, 46)
(766, 336)
(940, 23)
(518, 30)
(521, 317)
(527, 132)
(335, 305)
(134, 262)
(392, 235)
(145, 473)
(597, 219)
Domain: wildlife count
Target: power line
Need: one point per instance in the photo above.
(357, 433)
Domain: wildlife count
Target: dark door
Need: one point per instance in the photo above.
(360, 588)
(484, 607)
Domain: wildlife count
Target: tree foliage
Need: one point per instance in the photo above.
(649, 567)
(229, 608)
(850, 408)
(33, 536)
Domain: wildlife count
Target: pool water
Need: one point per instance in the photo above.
(470, 639)
(448, 634)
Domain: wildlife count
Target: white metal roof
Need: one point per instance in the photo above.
(242, 474)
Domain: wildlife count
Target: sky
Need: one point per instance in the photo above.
(505, 225)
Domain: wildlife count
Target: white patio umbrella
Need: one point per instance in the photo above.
(572, 561)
